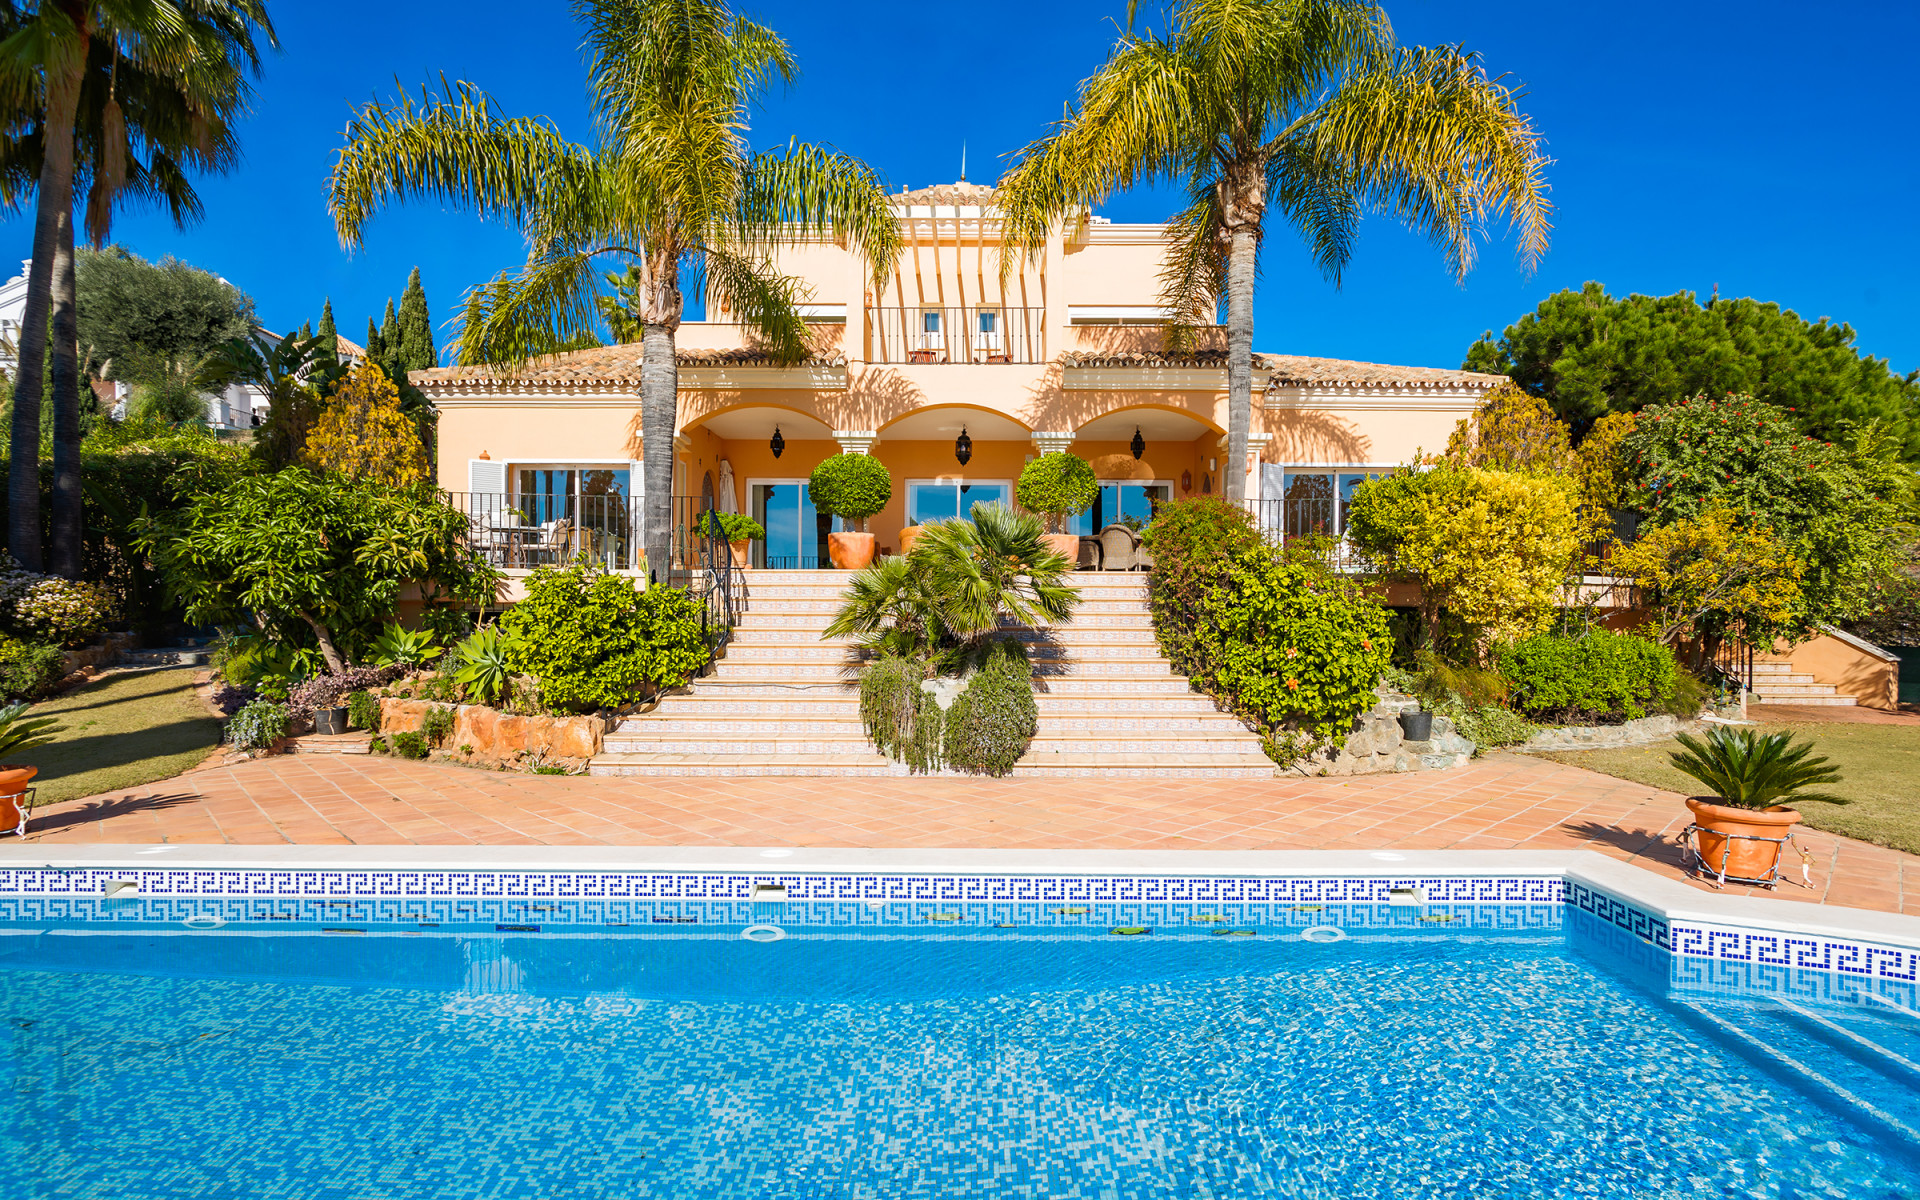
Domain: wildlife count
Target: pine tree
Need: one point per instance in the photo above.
(416, 327)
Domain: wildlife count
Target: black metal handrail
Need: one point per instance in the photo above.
(704, 567)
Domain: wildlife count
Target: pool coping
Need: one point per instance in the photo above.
(1669, 900)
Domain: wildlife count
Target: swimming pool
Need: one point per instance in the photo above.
(349, 1047)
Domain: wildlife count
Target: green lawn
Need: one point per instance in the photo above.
(123, 731)
(1879, 765)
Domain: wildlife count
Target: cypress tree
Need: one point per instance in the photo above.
(390, 329)
(306, 331)
(416, 327)
(376, 345)
(329, 351)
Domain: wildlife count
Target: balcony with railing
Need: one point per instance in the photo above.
(977, 334)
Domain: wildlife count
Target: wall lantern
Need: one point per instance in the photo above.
(963, 447)
(1139, 445)
(779, 444)
(1186, 481)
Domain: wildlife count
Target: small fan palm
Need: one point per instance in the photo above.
(1749, 769)
(20, 733)
(995, 567)
(890, 610)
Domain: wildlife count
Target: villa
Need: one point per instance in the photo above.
(953, 378)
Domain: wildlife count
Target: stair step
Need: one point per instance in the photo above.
(1141, 766)
(737, 765)
(1806, 689)
(1808, 701)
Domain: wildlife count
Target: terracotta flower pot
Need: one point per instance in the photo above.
(740, 550)
(1742, 859)
(1067, 544)
(906, 538)
(850, 551)
(13, 797)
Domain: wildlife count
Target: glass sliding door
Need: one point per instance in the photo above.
(934, 501)
(1121, 504)
(579, 510)
(796, 531)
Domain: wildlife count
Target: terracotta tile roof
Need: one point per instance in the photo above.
(599, 365)
(1296, 369)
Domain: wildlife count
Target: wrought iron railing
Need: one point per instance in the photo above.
(520, 532)
(1318, 521)
(971, 334)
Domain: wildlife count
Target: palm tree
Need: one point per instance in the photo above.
(991, 569)
(1305, 105)
(670, 188)
(162, 77)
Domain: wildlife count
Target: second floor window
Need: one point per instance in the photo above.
(989, 321)
(930, 322)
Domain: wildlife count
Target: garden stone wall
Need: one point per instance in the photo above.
(1376, 746)
(108, 651)
(501, 739)
(1642, 732)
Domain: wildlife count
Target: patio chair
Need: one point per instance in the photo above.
(1119, 548)
(553, 542)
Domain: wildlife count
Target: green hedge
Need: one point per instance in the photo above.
(1600, 676)
(594, 641)
(1276, 637)
(993, 721)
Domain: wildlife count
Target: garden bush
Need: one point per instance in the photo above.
(332, 691)
(29, 670)
(1605, 677)
(854, 486)
(47, 608)
(992, 722)
(436, 724)
(408, 745)
(735, 527)
(1191, 541)
(596, 642)
(258, 726)
(901, 717)
(363, 711)
(1057, 485)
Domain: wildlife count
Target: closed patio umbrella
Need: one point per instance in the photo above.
(725, 501)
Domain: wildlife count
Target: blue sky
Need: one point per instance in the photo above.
(1700, 142)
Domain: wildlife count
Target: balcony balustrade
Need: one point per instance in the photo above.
(978, 334)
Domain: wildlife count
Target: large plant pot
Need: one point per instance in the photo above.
(330, 720)
(1066, 544)
(13, 798)
(906, 538)
(850, 551)
(740, 550)
(1416, 726)
(1742, 859)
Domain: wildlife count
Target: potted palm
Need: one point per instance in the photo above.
(741, 532)
(1739, 829)
(1057, 486)
(852, 487)
(19, 733)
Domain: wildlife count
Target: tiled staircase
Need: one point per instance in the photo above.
(1777, 683)
(781, 703)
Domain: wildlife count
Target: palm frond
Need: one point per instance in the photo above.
(550, 304)
(757, 295)
(1748, 769)
(454, 148)
(807, 191)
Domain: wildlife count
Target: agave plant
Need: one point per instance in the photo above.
(481, 666)
(20, 733)
(1749, 769)
(398, 647)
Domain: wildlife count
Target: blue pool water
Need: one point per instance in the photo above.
(1463, 1053)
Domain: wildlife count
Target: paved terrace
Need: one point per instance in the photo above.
(1500, 801)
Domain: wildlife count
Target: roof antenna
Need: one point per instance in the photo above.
(963, 160)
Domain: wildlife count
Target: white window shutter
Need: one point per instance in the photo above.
(486, 478)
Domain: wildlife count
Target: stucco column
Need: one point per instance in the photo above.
(855, 441)
(1055, 442)
(1256, 447)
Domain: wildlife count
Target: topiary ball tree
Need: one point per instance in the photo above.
(854, 486)
(1057, 486)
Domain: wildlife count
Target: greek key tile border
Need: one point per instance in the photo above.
(853, 898)
(613, 885)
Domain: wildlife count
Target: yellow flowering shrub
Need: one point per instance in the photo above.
(1605, 474)
(1707, 578)
(363, 435)
(1490, 547)
(1512, 430)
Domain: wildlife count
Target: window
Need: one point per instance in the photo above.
(930, 500)
(989, 321)
(595, 503)
(1315, 502)
(796, 530)
(930, 321)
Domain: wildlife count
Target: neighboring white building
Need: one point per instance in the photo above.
(240, 408)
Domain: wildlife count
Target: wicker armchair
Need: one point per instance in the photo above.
(1120, 549)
